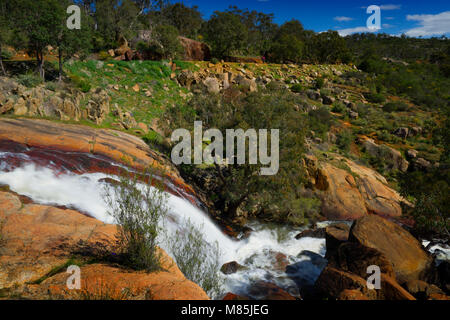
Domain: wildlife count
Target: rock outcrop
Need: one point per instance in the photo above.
(350, 191)
(115, 145)
(63, 105)
(40, 239)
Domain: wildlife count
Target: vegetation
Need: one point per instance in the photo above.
(196, 258)
(241, 186)
(138, 210)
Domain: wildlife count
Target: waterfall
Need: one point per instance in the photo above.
(84, 192)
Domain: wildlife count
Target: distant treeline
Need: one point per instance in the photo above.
(35, 24)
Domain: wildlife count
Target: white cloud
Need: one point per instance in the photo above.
(430, 24)
(387, 25)
(348, 31)
(343, 19)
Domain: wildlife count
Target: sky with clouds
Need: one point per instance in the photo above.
(414, 18)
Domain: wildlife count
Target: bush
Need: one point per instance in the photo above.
(338, 107)
(197, 259)
(168, 38)
(303, 210)
(7, 54)
(319, 83)
(320, 120)
(29, 80)
(103, 55)
(297, 88)
(137, 209)
(395, 106)
(344, 140)
(82, 84)
(214, 61)
(51, 86)
(375, 97)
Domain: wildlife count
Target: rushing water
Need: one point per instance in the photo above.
(265, 253)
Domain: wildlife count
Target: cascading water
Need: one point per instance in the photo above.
(258, 253)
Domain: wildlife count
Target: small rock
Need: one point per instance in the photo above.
(231, 267)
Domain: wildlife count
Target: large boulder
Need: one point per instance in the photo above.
(393, 158)
(212, 85)
(335, 235)
(332, 282)
(195, 50)
(406, 254)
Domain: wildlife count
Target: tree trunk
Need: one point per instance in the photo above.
(60, 64)
(1, 61)
(40, 61)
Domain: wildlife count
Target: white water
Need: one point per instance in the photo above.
(85, 193)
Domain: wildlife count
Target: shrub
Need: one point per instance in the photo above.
(302, 210)
(320, 119)
(338, 107)
(344, 140)
(137, 209)
(103, 55)
(214, 61)
(395, 106)
(297, 88)
(197, 259)
(319, 83)
(29, 80)
(375, 97)
(168, 39)
(82, 84)
(7, 54)
(50, 86)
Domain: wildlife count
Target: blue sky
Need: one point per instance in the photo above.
(413, 17)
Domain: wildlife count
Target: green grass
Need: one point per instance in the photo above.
(152, 76)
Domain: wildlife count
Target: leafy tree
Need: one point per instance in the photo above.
(116, 19)
(5, 30)
(225, 33)
(169, 44)
(39, 21)
(330, 47)
(187, 20)
(72, 41)
(261, 29)
(287, 48)
(242, 186)
(287, 44)
(293, 28)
